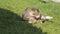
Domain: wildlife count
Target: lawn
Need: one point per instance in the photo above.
(11, 21)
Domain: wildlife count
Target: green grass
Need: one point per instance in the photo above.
(10, 17)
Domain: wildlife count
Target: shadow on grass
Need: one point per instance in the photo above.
(11, 23)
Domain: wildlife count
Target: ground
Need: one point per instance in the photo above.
(11, 21)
